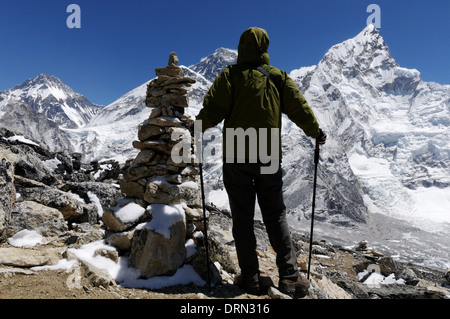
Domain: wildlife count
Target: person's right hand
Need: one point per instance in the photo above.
(322, 137)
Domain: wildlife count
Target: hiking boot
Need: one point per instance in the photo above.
(249, 285)
(264, 284)
(299, 286)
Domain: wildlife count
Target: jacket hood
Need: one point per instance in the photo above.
(253, 46)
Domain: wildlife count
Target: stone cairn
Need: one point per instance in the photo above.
(153, 175)
(155, 183)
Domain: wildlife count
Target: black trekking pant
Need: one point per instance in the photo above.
(243, 183)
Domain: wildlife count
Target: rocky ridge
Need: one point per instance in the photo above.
(62, 199)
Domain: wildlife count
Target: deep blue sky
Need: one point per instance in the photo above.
(120, 43)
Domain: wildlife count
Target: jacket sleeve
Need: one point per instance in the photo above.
(217, 102)
(295, 106)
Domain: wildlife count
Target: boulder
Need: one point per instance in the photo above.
(98, 277)
(324, 288)
(153, 254)
(175, 100)
(135, 173)
(121, 240)
(25, 257)
(124, 215)
(216, 254)
(72, 209)
(83, 234)
(409, 276)
(173, 60)
(30, 166)
(166, 80)
(7, 194)
(133, 189)
(65, 163)
(395, 291)
(387, 266)
(172, 71)
(158, 190)
(152, 101)
(164, 122)
(97, 193)
(144, 157)
(30, 215)
(147, 131)
(158, 146)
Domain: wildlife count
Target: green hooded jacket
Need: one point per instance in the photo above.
(245, 98)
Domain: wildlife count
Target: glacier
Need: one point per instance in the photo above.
(392, 130)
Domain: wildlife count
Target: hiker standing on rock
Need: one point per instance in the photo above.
(251, 96)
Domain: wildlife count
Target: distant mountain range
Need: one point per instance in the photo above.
(43, 107)
(388, 151)
(47, 95)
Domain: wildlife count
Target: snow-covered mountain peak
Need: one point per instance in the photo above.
(43, 78)
(370, 39)
(363, 54)
(228, 55)
(362, 66)
(42, 87)
(368, 32)
(46, 78)
(48, 95)
(212, 65)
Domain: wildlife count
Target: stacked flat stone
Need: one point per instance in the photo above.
(154, 182)
(153, 175)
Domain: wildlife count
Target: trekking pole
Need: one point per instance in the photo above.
(316, 161)
(204, 222)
